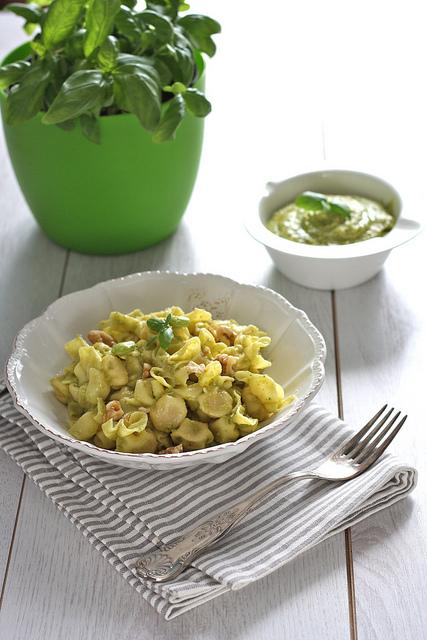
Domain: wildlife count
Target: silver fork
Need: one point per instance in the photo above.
(351, 459)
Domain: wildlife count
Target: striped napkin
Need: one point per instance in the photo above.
(124, 512)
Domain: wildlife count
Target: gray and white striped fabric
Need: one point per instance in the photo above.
(124, 512)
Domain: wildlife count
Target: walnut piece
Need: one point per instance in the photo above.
(177, 449)
(95, 336)
(113, 410)
(227, 363)
(221, 333)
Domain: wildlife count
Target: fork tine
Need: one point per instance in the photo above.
(380, 450)
(361, 446)
(369, 446)
(349, 444)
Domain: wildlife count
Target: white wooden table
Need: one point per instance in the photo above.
(293, 85)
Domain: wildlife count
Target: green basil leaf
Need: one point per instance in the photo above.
(38, 47)
(196, 103)
(128, 63)
(200, 23)
(123, 349)
(162, 25)
(163, 71)
(340, 209)
(146, 41)
(30, 12)
(124, 59)
(83, 92)
(200, 29)
(26, 99)
(139, 94)
(166, 7)
(73, 48)
(184, 71)
(180, 61)
(311, 201)
(127, 25)
(130, 3)
(67, 125)
(170, 120)
(100, 17)
(57, 77)
(107, 54)
(91, 129)
(165, 337)
(156, 324)
(61, 20)
(30, 27)
(13, 72)
(179, 321)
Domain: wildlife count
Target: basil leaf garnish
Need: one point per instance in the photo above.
(313, 201)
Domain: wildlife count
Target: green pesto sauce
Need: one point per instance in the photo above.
(368, 219)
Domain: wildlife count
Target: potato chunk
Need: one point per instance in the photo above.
(102, 441)
(224, 430)
(85, 427)
(168, 412)
(192, 434)
(163, 439)
(216, 403)
(143, 442)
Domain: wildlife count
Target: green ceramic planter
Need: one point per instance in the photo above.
(120, 196)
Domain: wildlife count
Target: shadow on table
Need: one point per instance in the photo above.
(86, 270)
(247, 613)
(373, 312)
(381, 527)
(29, 280)
(256, 610)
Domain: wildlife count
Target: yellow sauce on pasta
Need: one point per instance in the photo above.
(167, 382)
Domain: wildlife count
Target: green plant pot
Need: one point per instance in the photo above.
(120, 196)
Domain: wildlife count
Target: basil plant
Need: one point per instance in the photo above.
(91, 58)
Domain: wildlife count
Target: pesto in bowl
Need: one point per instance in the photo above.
(318, 219)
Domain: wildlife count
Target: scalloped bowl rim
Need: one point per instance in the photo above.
(317, 368)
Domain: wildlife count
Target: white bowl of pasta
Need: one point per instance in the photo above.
(182, 382)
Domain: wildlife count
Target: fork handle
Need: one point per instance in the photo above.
(169, 560)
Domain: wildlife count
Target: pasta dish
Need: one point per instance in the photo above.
(167, 382)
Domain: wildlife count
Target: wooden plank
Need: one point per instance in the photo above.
(383, 359)
(60, 587)
(30, 274)
(380, 323)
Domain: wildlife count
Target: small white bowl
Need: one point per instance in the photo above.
(297, 352)
(332, 266)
